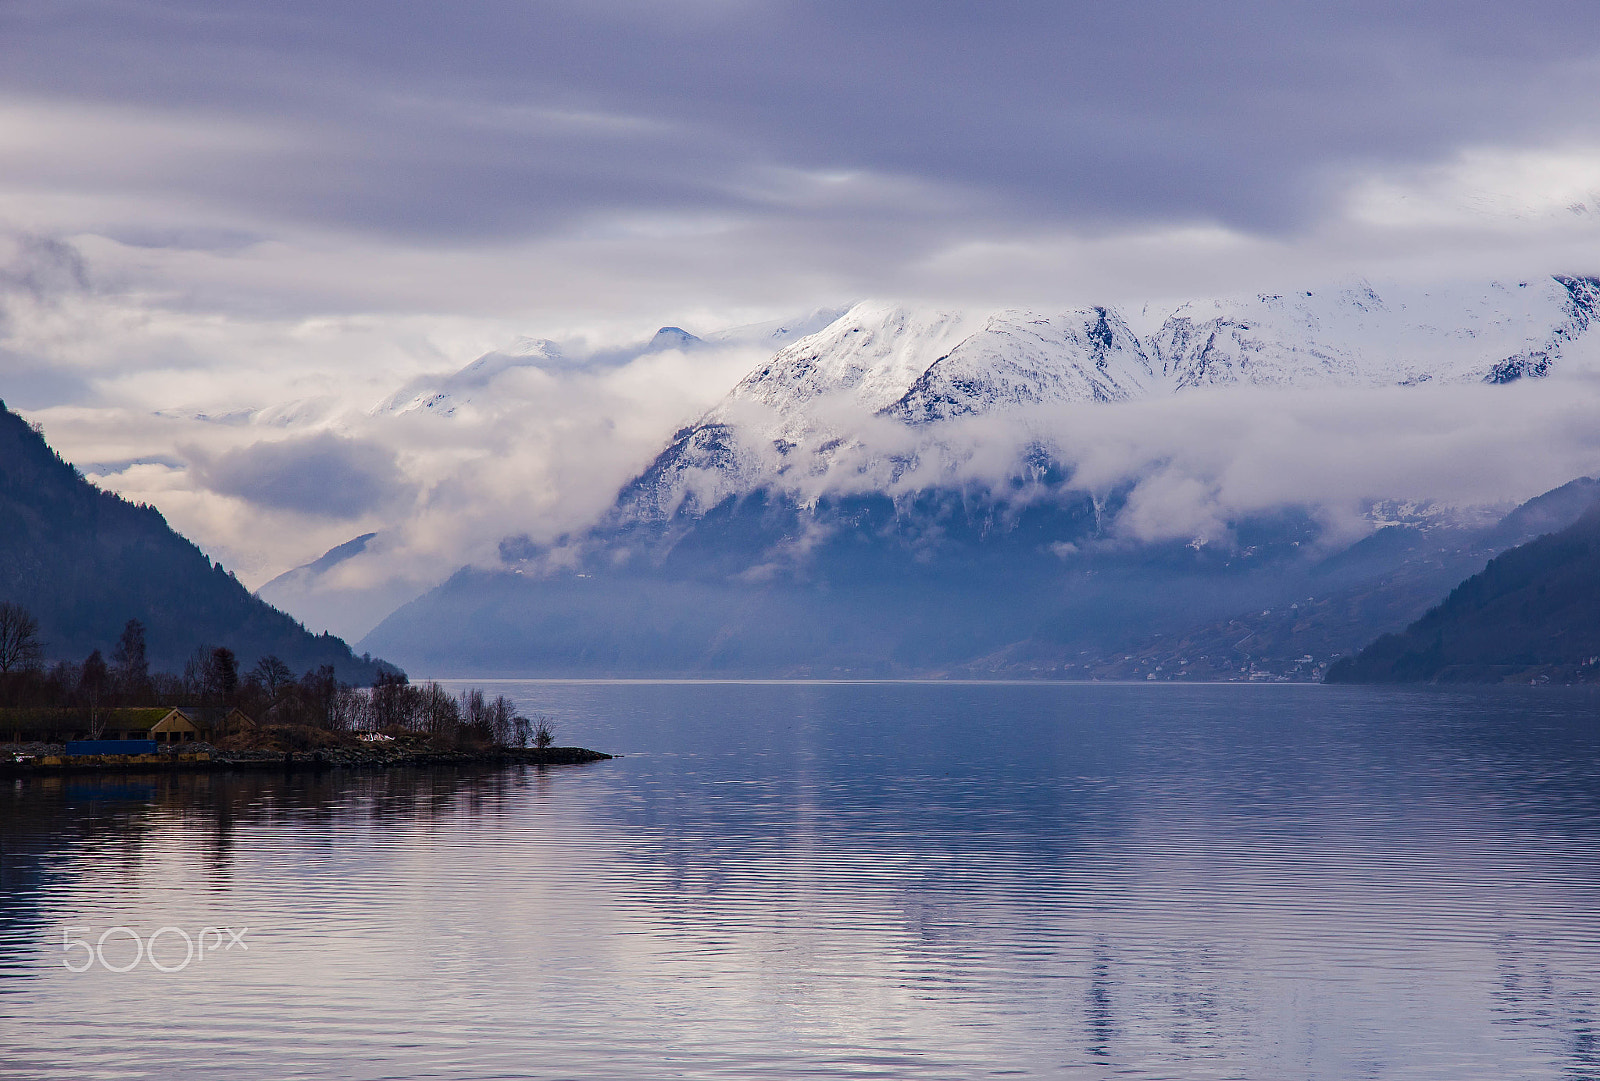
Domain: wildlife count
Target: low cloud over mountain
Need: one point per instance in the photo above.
(325, 475)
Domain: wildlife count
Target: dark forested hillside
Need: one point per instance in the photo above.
(85, 561)
(1533, 613)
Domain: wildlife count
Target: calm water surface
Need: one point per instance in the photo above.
(881, 880)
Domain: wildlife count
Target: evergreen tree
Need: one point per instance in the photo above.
(132, 665)
(222, 675)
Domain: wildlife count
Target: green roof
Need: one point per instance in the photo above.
(126, 719)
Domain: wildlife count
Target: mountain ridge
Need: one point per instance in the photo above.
(1528, 616)
(819, 398)
(84, 561)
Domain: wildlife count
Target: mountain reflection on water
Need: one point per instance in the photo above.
(799, 880)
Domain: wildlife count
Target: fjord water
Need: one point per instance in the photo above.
(851, 880)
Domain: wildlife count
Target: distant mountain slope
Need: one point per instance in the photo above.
(951, 584)
(316, 595)
(1339, 605)
(323, 563)
(85, 561)
(848, 586)
(1532, 613)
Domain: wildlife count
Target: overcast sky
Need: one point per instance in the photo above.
(214, 208)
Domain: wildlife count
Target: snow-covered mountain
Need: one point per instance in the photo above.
(891, 375)
(445, 395)
(903, 491)
(442, 396)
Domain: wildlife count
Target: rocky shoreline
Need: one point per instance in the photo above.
(31, 759)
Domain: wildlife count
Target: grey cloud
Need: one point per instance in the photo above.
(184, 239)
(42, 267)
(325, 475)
(40, 270)
(26, 384)
(493, 119)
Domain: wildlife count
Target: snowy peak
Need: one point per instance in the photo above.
(776, 333)
(1357, 336)
(443, 396)
(1267, 340)
(1019, 358)
(858, 364)
(1582, 304)
(869, 358)
(525, 353)
(1583, 300)
(526, 348)
(668, 338)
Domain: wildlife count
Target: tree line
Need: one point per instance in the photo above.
(269, 692)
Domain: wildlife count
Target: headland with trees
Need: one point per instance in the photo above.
(277, 712)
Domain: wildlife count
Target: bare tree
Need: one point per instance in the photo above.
(440, 715)
(500, 713)
(194, 672)
(474, 710)
(274, 675)
(350, 710)
(94, 679)
(389, 700)
(319, 692)
(544, 732)
(19, 638)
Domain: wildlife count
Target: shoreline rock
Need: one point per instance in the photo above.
(41, 760)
